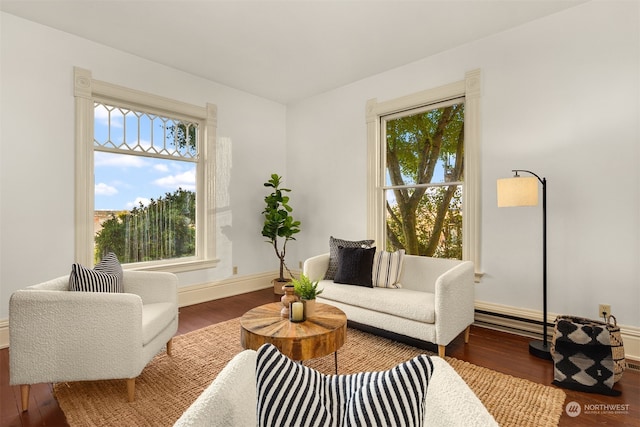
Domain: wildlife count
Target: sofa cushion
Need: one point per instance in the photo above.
(155, 318)
(405, 303)
(289, 393)
(333, 253)
(387, 268)
(106, 276)
(354, 266)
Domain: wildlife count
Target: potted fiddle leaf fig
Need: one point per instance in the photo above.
(279, 226)
(307, 290)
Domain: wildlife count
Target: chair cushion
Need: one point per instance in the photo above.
(289, 393)
(155, 318)
(405, 303)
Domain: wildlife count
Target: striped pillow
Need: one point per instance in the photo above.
(105, 277)
(387, 268)
(392, 398)
(292, 394)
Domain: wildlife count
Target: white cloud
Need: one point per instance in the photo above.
(101, 115)
(185, 180)
(117, 160)
(102, 189)
(135, 204)
(161, 167)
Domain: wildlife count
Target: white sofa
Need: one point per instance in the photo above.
(59, 335)
(435, 303)
(231, 399)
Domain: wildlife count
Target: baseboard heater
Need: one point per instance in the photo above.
(515, 324)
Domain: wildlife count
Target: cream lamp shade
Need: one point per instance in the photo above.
(517, 191)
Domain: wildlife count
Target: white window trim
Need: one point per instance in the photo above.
(471, 220)
(85, 90)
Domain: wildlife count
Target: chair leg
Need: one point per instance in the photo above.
(466, 334)
(24, 396)
(441, 349)
(131, 389)
(170, 347)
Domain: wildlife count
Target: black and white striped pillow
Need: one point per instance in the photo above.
(392, 398)
(105, 277)
(387, 268)
(292, 394)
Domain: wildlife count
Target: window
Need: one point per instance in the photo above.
(144, 178)
(423, 172)
(423, 151)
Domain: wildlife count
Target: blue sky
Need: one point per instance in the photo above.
(121, 181)
(124, 180)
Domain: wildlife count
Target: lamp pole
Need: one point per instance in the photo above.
(537, 348)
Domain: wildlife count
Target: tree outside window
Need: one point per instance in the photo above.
(424, 180)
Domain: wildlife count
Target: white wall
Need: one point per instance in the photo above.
(560, 97)
(37, 152)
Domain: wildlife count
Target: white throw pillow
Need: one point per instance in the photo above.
(387, 268)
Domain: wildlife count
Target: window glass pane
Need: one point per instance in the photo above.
(145, 185)
(425, 221)
(424, 152)
(425, 147)
(144, 207)
(127, 130)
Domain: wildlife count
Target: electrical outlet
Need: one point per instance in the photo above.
(235, 269)
(300, 265)
(604, 310)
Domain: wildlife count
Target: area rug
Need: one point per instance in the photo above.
(168, 385)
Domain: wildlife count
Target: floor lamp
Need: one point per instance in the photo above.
(523, 191)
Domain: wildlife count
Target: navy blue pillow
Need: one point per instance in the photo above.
(355, 266)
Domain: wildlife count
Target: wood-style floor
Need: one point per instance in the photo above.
(499, 351)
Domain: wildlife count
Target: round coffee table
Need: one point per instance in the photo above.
(322, 334)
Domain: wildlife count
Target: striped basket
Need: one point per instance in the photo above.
(617, 348)
(615, 339)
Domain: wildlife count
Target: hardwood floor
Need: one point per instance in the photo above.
(499, 351)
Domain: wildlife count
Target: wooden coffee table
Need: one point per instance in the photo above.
(318, 336)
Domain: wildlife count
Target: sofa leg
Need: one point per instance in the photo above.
(441, 349)
(170, 346)
(24, 396)
(131, 389)
(466, 334)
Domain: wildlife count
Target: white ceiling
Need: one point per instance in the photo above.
(284, 50)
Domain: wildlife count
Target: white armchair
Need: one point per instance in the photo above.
(58, 335)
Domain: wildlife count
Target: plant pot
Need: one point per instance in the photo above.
(309, 307)
(277, 286)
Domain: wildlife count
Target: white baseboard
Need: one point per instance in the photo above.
(235, 285)
(522, 322)
(4, 333)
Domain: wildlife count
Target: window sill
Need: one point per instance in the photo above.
(176, 267)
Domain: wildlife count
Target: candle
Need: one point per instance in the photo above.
(297, 311)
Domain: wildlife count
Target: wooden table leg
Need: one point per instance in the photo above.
(336, 359)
